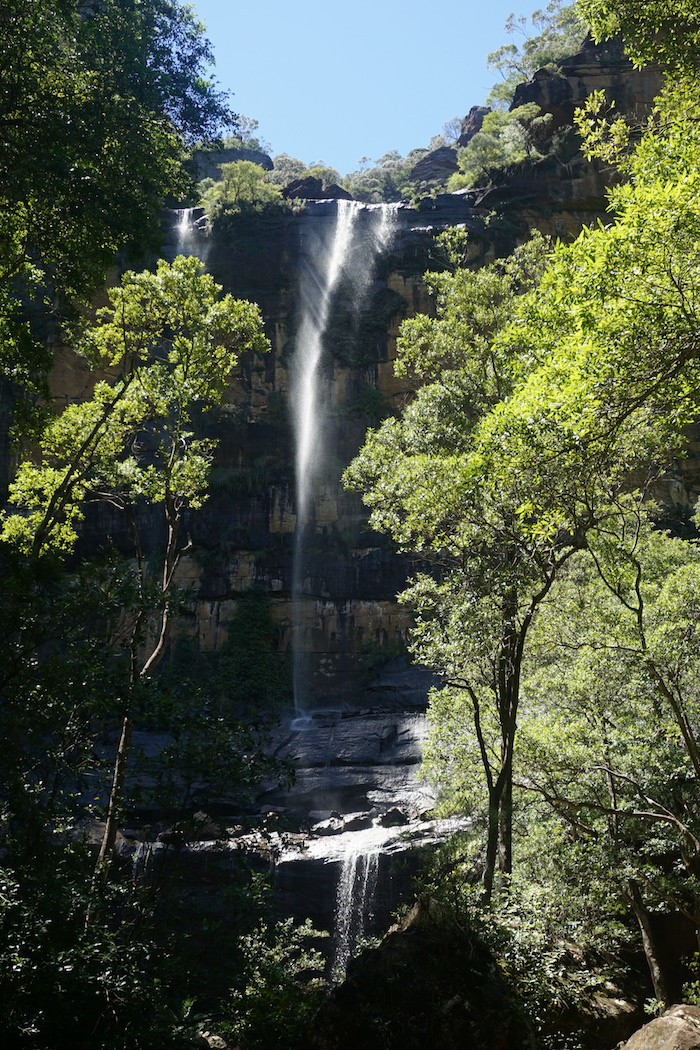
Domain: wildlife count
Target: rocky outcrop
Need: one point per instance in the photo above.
(310, 188)
(472, 123)
(429, 984)
(677, 1029)
(595, 67)
(209, 162)
(436, 166)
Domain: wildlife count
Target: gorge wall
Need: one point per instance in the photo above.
(244, 537)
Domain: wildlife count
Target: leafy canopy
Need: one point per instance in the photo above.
(174, 339)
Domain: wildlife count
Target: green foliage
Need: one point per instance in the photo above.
(560, 33)
(665, 31)
(286, 169)
(251, 672)
(243, 185)
(175, 340)
(98, 107)
(283, 986)
(505, 140)
(384, 181)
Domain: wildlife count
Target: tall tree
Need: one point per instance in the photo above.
(174, 340)
(98, 105)
(424, 477)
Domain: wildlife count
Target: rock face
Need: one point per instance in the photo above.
(471, 124)
(595, 67)
(435, 166)
(350, 621)
(311, 188)
(677, 1029)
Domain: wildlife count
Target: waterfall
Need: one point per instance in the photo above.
(360, 233)
(357, 883)
(189, 228)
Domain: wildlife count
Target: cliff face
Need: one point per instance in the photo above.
(349, 620)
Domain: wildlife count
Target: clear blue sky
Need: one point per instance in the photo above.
(336, 82)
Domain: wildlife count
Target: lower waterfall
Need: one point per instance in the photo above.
(357, 884)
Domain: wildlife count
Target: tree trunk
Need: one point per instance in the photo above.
(649, 942)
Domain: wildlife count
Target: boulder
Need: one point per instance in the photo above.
(393, 818)
(472, 123)
(677, 1029)
(209, 161)
(436, 166)
(428, 984)
(311, 188)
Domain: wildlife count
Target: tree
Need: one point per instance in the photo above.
(423, 476)
(560, 34)
(504, 140)
(666, 31)
(243, 185)
(99, 105)
(608, 740)
(175, 341)
(592, 422)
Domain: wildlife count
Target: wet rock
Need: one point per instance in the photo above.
(332, 826)
(358, 822)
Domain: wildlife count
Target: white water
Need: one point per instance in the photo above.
(347, 254)
(189, 230)
(357, 884)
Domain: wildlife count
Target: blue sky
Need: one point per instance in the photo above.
(359, 79)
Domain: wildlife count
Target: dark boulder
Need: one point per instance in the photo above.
(471, 124)
(436, 166)
(311, 188)
(428, 984)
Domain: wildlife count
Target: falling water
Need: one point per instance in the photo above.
(348, 254)
(357, 883)
(189, 230)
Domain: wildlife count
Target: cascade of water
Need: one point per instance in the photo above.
(357, 883)
(342, 255)
(188, 233)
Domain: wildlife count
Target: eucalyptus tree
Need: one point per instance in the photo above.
(609, 742)
(173, 340)
(426, 478)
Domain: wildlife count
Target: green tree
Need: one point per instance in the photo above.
(608, 739)
(286, 169)
(666, 31)
(243, 184)
(560, 33)
(174, 340)
(424, 478)
(504, 140)
(99, 104)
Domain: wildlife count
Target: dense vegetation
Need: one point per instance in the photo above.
(532, 470)
(559, 601)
